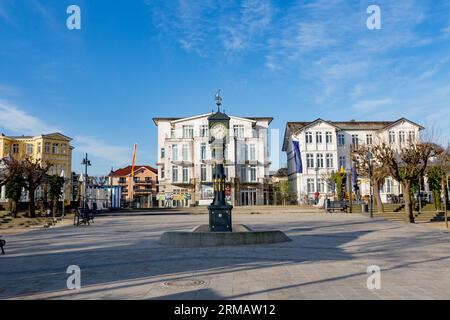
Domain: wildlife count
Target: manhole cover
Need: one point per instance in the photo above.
(184, 283)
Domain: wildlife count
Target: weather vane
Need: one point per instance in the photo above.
(218, 100)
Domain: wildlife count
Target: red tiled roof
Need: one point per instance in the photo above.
(127, 170)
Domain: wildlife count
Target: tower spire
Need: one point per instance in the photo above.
(218, 100)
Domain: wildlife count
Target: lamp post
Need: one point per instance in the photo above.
(219, 210)
(317, 182)
(86, 162)
(63, 175)
(110, 188)
(349, 189)
(369, 158)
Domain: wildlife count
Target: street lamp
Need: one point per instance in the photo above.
(369, 158)
(63, 175)
(110, 188)
(86, 162)
(317, 183)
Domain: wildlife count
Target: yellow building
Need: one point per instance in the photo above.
(54, 147)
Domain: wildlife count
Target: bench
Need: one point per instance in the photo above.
(335, 205)
(84, 216)
(2, 244)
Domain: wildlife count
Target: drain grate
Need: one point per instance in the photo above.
(184, 283)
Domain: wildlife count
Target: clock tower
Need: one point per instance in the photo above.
(219, 210)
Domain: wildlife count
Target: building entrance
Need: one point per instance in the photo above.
(248, 197)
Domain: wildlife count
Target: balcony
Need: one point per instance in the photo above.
(184, 183)
(248, 181)
(182, 162)
(143, 182)
(143, 191)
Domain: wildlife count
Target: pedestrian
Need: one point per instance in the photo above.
(316, 197)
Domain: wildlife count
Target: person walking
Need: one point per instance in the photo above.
(316, 197)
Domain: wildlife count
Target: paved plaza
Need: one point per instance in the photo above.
(120, 258)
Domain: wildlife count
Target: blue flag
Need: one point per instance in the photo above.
(297, 157)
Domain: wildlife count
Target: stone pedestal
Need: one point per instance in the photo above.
(200, 236)
(220, 218)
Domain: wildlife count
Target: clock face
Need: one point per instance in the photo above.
(219, 131)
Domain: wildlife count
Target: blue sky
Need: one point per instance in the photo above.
(293, 60)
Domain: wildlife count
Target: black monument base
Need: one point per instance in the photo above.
(220, 218)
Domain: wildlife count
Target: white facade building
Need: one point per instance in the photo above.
(185, 161)
(325, 147)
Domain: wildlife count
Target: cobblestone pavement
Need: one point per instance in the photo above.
(120, 258)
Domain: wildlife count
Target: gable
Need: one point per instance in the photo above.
(56, 136)
(404, 123)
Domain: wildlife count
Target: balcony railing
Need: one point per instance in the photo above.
(143, 191)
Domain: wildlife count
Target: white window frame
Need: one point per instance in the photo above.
(252, 151)
(319, 160)
(341, 139)
(188, 131)
(29, 149)
(203, 151)
(401, 137)
(174, 173)
(328, 137)
(329, 160)
(252, 171)
(355, 140)
(203, 172)
(308, 137)
(309, 160)
(319, 139)
(239, 130)
(391, 137)
(185, 152)
(185, 174)
(204, 130)
(175, 152)
(310, 188)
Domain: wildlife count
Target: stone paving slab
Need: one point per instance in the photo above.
(120, 258)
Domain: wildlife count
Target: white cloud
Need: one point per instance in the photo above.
(112, 154)
(240, 32)
(371, 105)
(20, 122)
(209, 27)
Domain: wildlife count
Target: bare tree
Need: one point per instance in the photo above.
(7, 167)
(439, 168)
(11, 176)
(378, 173)
(34, 172)
(406, 165)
